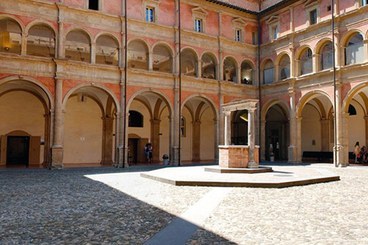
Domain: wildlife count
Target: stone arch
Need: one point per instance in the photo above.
(320, 44)
(209, 65)
(78, 45)
(200, 141)
(138, 54)
(45, 47)
(25, 105)
(230, 69)
(189, 62)
(283, 62)
(268, 71)
(247, 71)
(107, 49)
(157, 125)
(308, 97)
(11, 43)
(162, 57)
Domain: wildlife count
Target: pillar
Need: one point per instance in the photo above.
(251, 137)
(57, 146)
(292, 149)
(238, 75)
(150, 61)
(366, 130)
(325, 136)
(196, 147)
(93, 53)
(263, 142)
(107, 139)
(23, 47)
(298, 150)
(155, 139)
(199, 68)
(227, 133)
(314, 63)
(338, 148)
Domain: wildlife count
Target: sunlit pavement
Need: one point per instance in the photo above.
(118, 206)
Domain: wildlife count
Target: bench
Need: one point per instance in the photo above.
(317, 156)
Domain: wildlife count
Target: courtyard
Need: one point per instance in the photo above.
(118, 206)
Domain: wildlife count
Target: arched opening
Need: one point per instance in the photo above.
(154, 113)
(284, 67)
(354, 50)
(162, 59)
(277, 133)
(306, 62)
(41, 41)
(209, 66)
(199, 135)
(246, 73)
(25, 124)
(138, 55)
(316, 129)
(78, 46)
(10, 36)
(107, 50)
(268, 72)
(189, 63)
(326, 56)
(90, 126)
(230, 70)
(239, 128)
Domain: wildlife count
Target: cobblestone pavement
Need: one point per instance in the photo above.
(117, 206)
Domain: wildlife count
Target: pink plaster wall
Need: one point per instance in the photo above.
(346, 5)
(75, 3)
(268, 3)
(112, 7)
(227, 27)
(166, 15)
(135, 9)
(186, 17)
(265, 33)
(212, 23)
(284, 22)
(300, 18)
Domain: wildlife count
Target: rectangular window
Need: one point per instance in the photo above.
(198, 25)
(238, 35)
(254, 38)
(150, 14)
(364, 2)
(275, 32)
(93, 4)
(268, 76)
(313, 17)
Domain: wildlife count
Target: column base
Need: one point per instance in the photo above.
(292, 158)
(122, 161)
(57, 157)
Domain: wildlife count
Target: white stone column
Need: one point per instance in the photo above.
(366, 130)
(238, 75)
(199, 69)
(150, 61)
(314, 63)
(298, 150)
(227, 138)
(57, 146)
(251, 138)
(277, 73)
(338, 148)
(292, 153)
(24, 44)
(93, 53)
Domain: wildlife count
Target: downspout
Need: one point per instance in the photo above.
(259, 79)
(125, 80)
(334, 80)
(179, 107)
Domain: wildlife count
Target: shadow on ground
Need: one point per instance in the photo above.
(65, 207)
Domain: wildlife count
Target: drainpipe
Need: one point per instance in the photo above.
(179, 40)
(125, 80)
(334, 81)
(259, 80)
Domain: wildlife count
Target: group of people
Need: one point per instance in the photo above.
(148, 152)
(360, 153)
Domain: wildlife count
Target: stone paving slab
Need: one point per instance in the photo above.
(281, 177)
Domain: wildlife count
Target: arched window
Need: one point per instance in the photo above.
(306, 62)
(246, 73)
(10, 36)
(107, 51)
(189, 63)
(78, 46)
(268, 72)
(326, 56)
(135, 119)
(230, 70)
(284, 67)
(162, 59)
(354, 50)
(41, 41)
(138, 55)
(209, 66)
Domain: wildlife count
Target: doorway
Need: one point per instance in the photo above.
(132, 151)
(17, 150)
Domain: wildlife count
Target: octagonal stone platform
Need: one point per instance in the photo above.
(282, 176)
